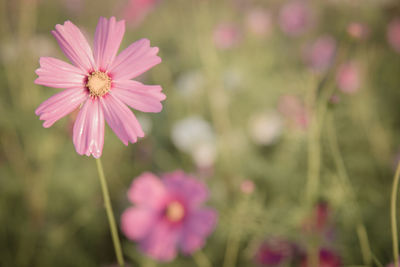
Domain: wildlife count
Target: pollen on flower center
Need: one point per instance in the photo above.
(175, 211)
(98, 83)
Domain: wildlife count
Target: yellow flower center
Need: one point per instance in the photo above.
(175, 211)
(99, 83)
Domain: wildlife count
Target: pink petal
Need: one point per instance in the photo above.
(88, 135)
(137, 222)
(74, 45)
(146, 98)
(199, 225)
(60, 105)
(147, 190)
(59, 74)
(194, 191)
(107, 40)
(121, 119)
(161, 242)
(134, 60)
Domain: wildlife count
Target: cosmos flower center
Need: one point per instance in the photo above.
(98, 83)
(175, 211)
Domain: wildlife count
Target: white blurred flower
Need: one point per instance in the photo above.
(196, 137)
(190, 82)
(232, 78)
(204, 155)
(266, 127)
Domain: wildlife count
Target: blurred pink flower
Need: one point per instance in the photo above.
(348, 78)
(393, 34)
(226, 35)
(275, 252)
(358, 30)
(259, 21)
(74, 6)
(99, 82)
(247, 187)
(168, 215)
(295, 17)
(327, 258)
(137, 10)
(294, 110)
(319, 55)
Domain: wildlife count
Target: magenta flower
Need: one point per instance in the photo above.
(327, 258)
(168, 215)
(275, 252)
(99, 82)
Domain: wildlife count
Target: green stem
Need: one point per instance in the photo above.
(348, 189)
(393, 216)
(110, 214)
(201, 259)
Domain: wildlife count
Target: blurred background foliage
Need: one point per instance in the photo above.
(266, 114)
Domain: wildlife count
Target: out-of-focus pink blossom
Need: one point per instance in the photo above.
(226, 35)
(319, 55)
(137, 10)
(247, 187)
(168, 215)
(327, 258)
(74, 6)
(259, 21)
(295, 17)
(348, 78)
(358, 30)
(275, 252)
(393, 34)
(294, 110)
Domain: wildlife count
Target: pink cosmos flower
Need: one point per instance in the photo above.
(99, 82)
(393, 34)
(348, 78)
(295, 18)
(168, 215)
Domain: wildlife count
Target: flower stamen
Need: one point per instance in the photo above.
(175, 211)
(98, 83)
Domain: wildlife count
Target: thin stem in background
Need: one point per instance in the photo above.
(110, 214)
(393, 216)
(348, 189)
